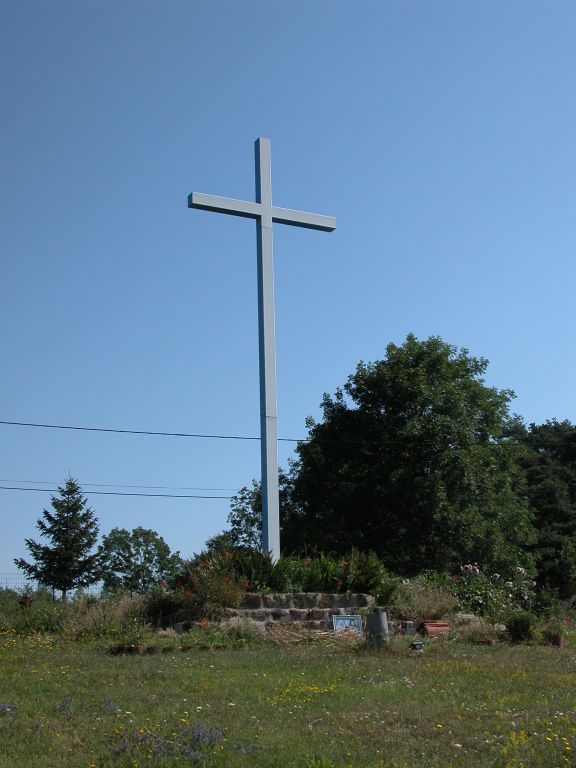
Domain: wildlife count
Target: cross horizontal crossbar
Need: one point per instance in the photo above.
(251, 210)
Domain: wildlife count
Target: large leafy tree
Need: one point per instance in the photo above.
(549, 465)
(410, 460)
(67, 561)
(245, 516)
(134, 561)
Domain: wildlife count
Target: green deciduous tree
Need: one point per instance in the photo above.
(549, 464)
(136, 561)
(245, 516)
(72, 530)
(410, 460)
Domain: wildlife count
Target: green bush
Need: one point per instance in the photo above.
(521, 626)
(364, 572)
(492, 596)
(423, 598)
(287, 575)
(42, 615)
(110, 617)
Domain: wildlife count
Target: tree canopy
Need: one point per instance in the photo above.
(549, 466)
(411, 460)
(72, 530)
(134, 561)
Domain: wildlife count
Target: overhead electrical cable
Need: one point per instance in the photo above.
(505, 442)
(118, 493)
(130, 431)
(119, 485)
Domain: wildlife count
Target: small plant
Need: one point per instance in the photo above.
(552, 630)
(475, 629)
(493, 595)
(420, 598)
(521, 626)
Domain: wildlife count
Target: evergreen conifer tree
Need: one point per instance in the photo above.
(72, 530)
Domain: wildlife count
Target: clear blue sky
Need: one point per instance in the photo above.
(441, 135)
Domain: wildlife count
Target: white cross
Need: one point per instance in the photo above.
(265, 213)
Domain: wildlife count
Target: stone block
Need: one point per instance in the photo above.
(360, 600)
(305, 599)
(319, 614)
(299, 614)
(276, 601)
(280, 614)
(256, 614)
(328, 601)
(251, 600)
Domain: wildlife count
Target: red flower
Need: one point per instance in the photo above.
(203, 620)
(345, 563)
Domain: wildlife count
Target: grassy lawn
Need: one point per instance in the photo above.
(317, 705)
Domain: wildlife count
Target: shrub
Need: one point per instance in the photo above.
(42, 615)
(521, 626)
(421, 598)
(474, 629)
(494, 596)
(551, 630)
(287, 575)
(365, 572)
(115, 618)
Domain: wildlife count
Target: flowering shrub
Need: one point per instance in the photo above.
(206, 588)
(493, 595)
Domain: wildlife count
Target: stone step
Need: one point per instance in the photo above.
(288, 614)
(304, 600)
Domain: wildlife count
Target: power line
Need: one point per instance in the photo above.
(119, 485)
(133, 431)
(119, 493)
(504, 443)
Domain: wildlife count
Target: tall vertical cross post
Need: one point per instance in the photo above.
(265, 214)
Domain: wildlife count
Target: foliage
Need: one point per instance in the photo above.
(245, 516)
(72, 530)
(42, 614)
(493, 595)
(213, 581)
(548, 462)
(521, 626)
(122, 619)
(411, 460)
(136, 561)
(423, 598)
(552, 629)
(206, 585)
(81, 618)
(475, 629)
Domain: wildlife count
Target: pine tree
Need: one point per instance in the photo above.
(72, 530)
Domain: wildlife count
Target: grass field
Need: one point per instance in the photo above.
(315, 705)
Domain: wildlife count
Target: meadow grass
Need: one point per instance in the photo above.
(70, 704)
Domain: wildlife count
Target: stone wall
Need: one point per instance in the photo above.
(313, 610)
